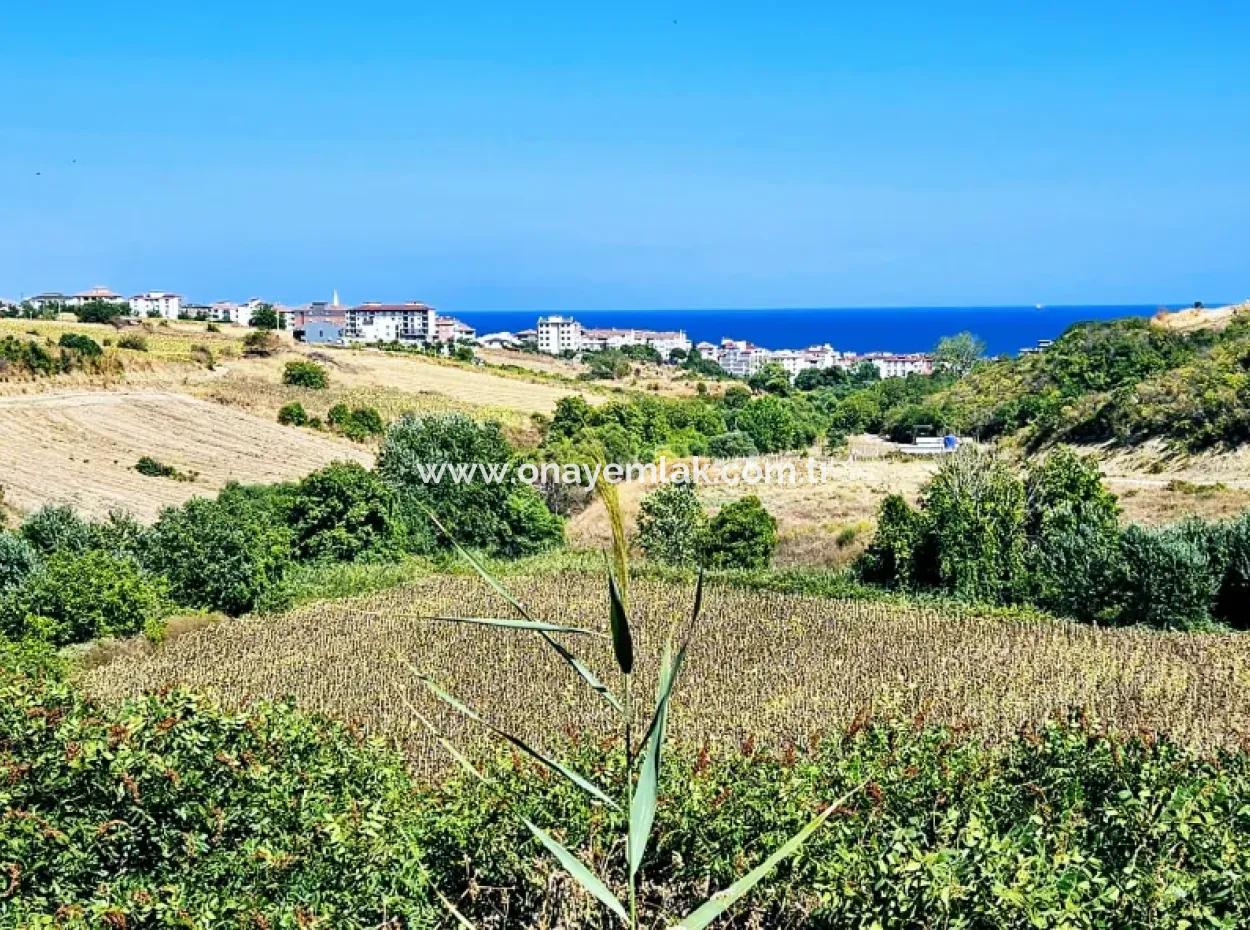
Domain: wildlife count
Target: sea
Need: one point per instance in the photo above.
(1005, 330)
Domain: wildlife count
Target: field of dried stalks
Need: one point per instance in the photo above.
(80, 448)
(769, 668)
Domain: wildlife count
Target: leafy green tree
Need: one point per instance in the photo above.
(344, 513)
(814, 379)
(74, 597)
(265, 317)
(672, 526)
(777, 424)
(732, 445)
(221, 554)
(957, 354)
(100, 311)
(772, 378)
(741, 535)
(572, 415)
(418, 459)
(306, 374)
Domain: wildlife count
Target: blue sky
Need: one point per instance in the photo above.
(611, 155)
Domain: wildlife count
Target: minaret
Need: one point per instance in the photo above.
(334, 301)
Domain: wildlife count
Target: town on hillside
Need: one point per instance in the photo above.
(416, 323)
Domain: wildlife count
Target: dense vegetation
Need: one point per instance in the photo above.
(167, 811)
(29, 357)
(1123, 381)
(66, 580)
(1052, 537)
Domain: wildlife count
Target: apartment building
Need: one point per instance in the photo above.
(559, 334)
(378, 322)
(156, 303)
(449, 329)
(899, 366)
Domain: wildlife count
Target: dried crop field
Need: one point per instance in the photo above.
(767, 668)
(81, 448)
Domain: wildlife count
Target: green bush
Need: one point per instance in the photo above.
(357, 424)
(531, 527)
(170, 812)
(742, 535)
(306, 374)
(153, 469)
(1169, 579)
(292, 414)
(18, 559)
(77, 342)
(132, 341)
(1063, 828)
(732, 445)
(896, 557)
(672, 526)
(265, 317)
(975, 510)
(344, 513)
(77, 597)
(221, 554)
(53, 529)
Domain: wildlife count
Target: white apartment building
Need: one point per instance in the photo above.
(899, 366)
(156, 303)
(741, 358)
(559, 334)
(378, 322)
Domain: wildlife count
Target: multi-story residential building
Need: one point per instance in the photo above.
(378, 322)
(899, 366)
(559, 334)
(449, 329)
(156, 303)
(741, 358)
(197, 311)
(48, 299)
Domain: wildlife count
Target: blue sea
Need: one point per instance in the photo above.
(1005, 330)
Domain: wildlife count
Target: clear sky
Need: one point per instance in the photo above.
(519, 155)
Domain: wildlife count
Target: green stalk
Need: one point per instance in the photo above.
(629, 793)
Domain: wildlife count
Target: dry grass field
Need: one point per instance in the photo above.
(80, 448)
(825, 522)
(774, 669)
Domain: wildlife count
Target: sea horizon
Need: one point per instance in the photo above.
(1005, 329)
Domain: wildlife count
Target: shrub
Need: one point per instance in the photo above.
(75, 597)
(169, 811)
(344, 513)
(153, 469)
(100, 311)
(306, 374)
(52, 529)
(203, 355)
(77, 342)
(261, 343)
(357, 424)
(265, 317)
(742, 535)
(776, 424)
(1233, 598)
(531, 527)
(220, 554)
(212, 328)
(18, 559)
(292, 414)
(1169, 579)
(672, 525)
(975, 508)
(732, 445)
(895, 558)
(132, 341)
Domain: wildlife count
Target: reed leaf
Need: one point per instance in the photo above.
(647, 789)
(585, 784)
(538, 626)
(723, 900)
(622, 639)
(583, 876)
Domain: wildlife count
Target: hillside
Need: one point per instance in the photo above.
(1183, 379)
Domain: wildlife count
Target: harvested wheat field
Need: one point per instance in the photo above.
(81, 449)
(771, 668)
